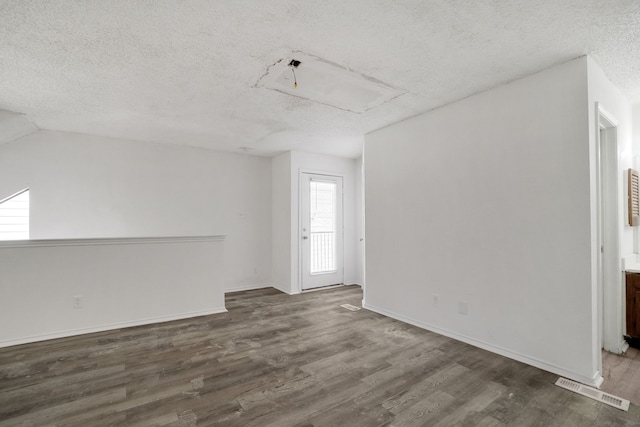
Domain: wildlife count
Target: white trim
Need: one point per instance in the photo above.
(610, 298)
(363, 217)
(594, 381)
(280, 289)
(285, 291)
(625, 347)
(323, 288)
(320, 172)
(247, 288)
(108, 241)
(349, 283)
(14, 195)
(613, 122)
(635, 164)
(111, 326)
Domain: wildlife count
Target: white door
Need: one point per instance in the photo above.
(321, 231)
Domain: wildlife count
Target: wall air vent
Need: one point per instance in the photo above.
(316, 79)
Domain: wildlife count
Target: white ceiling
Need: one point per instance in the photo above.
(184, 71)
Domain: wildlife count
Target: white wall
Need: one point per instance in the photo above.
(86, 186)
(281, 221)
(636, 129)
(359, 189)
(14, 126)
(120, 282)
(635, 143)
(487, 201)
(286, 224)
(635, 113)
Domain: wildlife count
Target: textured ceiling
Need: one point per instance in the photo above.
(184, 71)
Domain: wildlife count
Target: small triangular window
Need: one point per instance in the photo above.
(14, 216)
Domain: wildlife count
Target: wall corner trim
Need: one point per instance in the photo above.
(109, 241)
(247, 288)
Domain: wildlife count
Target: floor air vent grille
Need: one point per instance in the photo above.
(350, 307)
(593, 393)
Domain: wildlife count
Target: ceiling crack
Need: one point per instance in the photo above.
(266, 73)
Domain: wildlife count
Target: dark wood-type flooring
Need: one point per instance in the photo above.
(279, 360)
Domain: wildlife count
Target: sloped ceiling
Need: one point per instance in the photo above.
(184, 71)
(14, 126)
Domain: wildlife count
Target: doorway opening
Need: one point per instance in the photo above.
(609, 273)
(321, 230)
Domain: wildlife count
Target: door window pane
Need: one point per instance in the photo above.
(322, 224)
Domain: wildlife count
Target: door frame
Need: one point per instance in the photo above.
(610, 279)
(299, 232)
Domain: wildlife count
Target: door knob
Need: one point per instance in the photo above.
(305, 237)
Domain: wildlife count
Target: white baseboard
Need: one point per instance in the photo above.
(247, 288)
(625, 347)
(299, 291)
(594, 381)
(109, 327)
(284, 291)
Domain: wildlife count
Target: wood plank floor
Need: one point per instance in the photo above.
(621, 374)
(279, 360)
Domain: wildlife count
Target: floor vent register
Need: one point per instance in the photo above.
(593, 393)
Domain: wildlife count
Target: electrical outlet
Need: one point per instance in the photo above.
(463, 307)
(77, 301)
(436, 300)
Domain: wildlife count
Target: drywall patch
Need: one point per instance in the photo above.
(316, 79)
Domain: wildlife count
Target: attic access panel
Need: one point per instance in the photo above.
(327, 83)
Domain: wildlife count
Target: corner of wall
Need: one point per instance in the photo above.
(14, 126)
(280, 222)
(538, 125)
